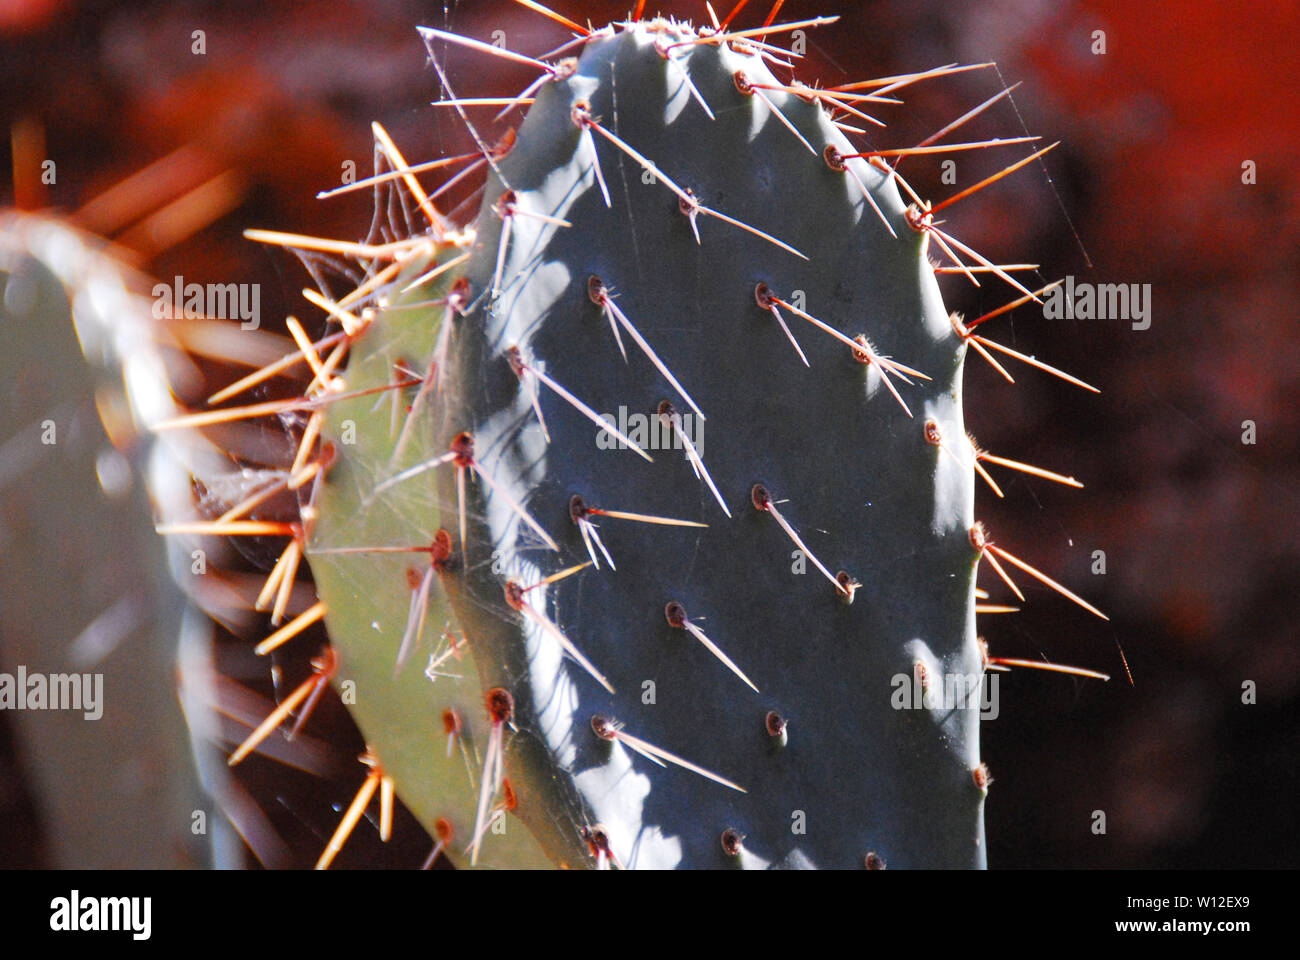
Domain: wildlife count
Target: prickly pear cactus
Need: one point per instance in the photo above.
(798, 420)
(638, 507)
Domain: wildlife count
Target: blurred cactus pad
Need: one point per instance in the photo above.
(639, 508)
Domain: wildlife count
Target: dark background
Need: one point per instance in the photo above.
(1198, 529)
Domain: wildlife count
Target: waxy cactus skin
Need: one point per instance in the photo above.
(852, 470)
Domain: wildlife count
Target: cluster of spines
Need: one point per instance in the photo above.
(325, 359)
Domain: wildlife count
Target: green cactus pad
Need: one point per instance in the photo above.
(849, 470)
